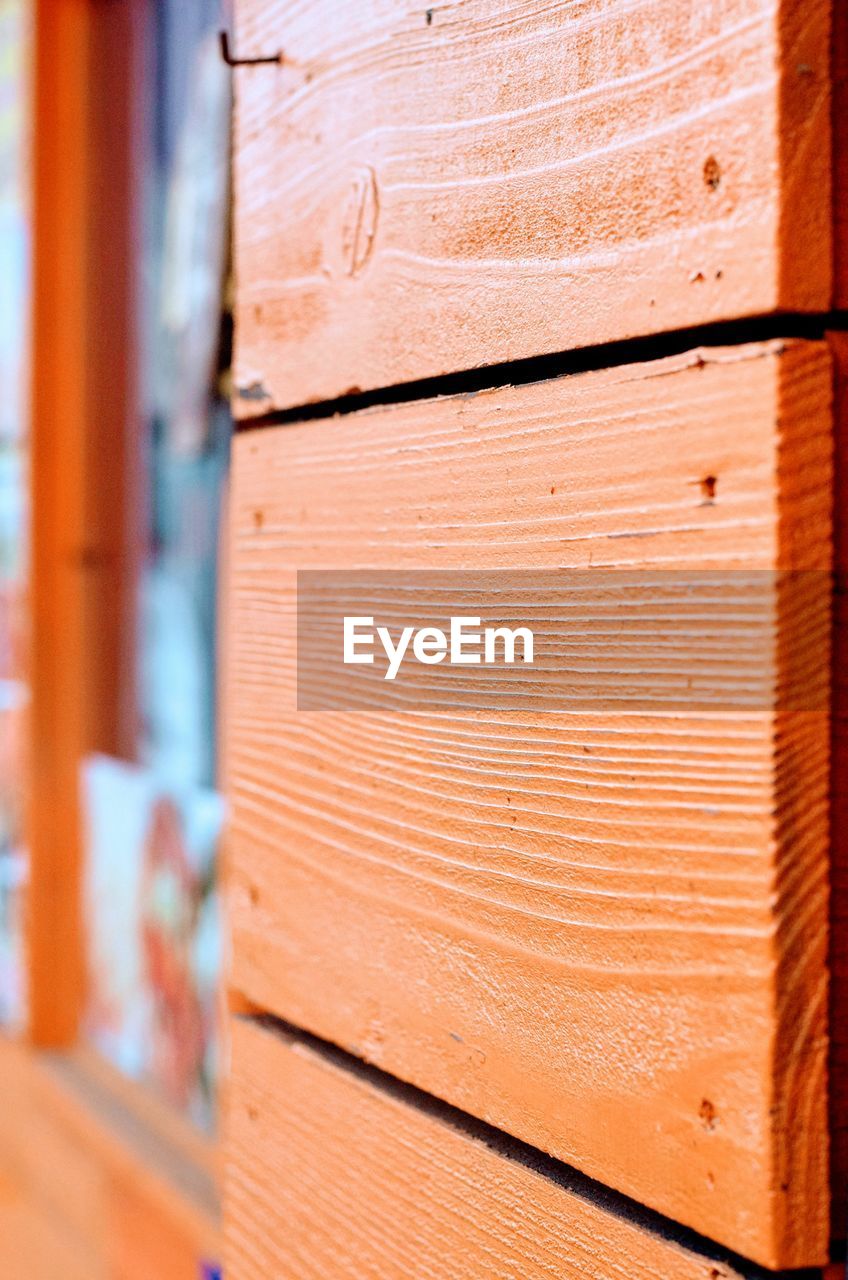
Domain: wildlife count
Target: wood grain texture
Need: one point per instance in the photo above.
(839, 93)
(603, 934)
(421, 189)
(331, 1175)
(838, 1070)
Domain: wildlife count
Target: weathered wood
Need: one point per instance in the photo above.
(839, 73)
(330, 1174)
(426, 189)
(838, 1067)
(605, 934)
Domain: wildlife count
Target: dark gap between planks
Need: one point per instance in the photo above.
(505, 1145)
(513, 373)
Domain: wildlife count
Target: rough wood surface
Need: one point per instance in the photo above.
(604, 934)
(839, 73)
(426, 188)
(330, 1174)
(838, 1071)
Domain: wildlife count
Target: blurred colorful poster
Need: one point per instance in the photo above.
(152, 921)
(15, 20)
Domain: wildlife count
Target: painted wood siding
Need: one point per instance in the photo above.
(333, 1172)
(604, 934)
(425, 188)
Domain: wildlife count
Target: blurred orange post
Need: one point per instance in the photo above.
(57, 448)
(83, 568)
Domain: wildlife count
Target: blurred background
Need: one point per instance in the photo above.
(114, 437)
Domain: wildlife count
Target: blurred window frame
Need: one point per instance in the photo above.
(88, 72)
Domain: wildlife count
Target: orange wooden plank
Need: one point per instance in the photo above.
(33, 1245)
(433, 188)
(141, 1240)
(839, 72)
(605, 934)
(839, 810)
(332, 1174)
(118, 1193)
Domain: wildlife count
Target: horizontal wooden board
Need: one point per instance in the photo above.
(838, 1069)
(839, 72)
(605, 934)
(331, 1174)
(421, 189)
